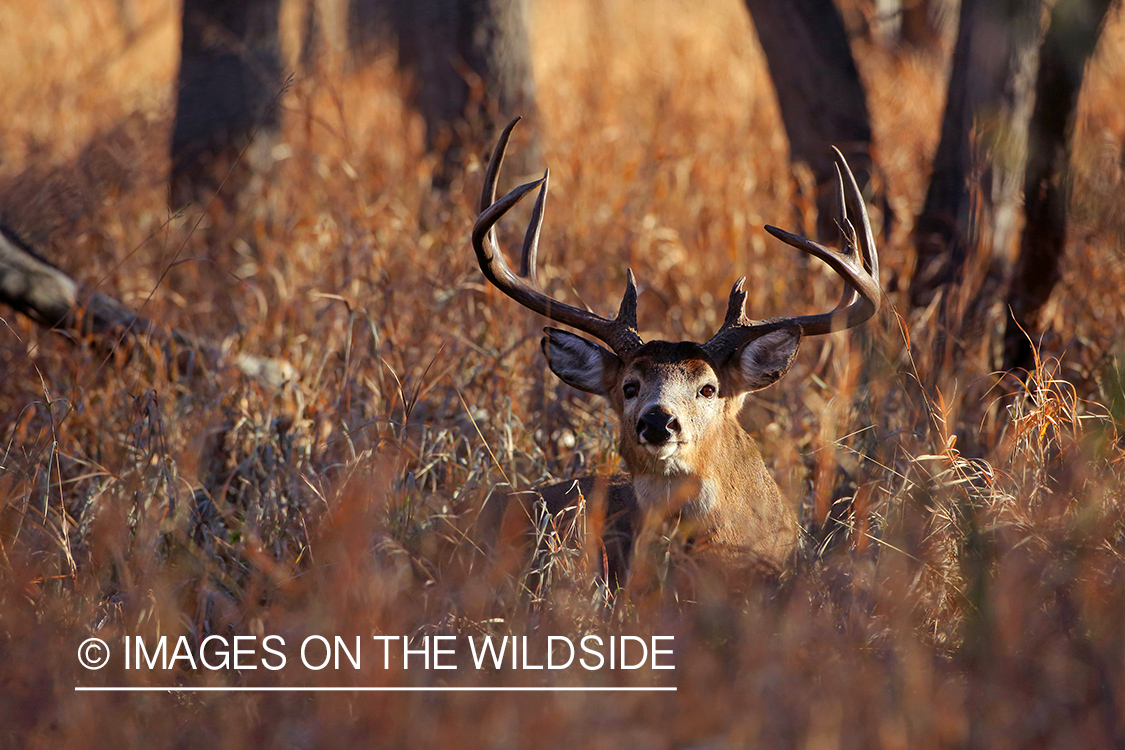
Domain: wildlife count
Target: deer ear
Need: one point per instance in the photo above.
(765, 359)
(578, 362)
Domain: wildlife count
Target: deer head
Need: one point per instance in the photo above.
(678, 402)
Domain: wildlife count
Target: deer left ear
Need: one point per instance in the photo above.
(767, 358)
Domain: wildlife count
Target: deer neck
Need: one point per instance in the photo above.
(727, 502)
(698, 485)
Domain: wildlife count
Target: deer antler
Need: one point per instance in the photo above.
(619, 333)
(858, 264)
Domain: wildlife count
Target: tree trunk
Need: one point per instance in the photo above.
(311, 42)
(229, 81)
(1070, 40)
(973, 200)
(471, 64)
(818, 89)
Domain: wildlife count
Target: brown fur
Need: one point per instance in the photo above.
(717, 501)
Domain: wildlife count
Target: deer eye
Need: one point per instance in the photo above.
(707, 391)
(630, 390)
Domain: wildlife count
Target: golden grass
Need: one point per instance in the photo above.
(973, 595)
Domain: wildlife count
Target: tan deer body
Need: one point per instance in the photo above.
(694, 474)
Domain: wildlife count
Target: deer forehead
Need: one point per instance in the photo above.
(662, 361)
(668, 368)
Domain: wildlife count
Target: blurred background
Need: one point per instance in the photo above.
(253, 381)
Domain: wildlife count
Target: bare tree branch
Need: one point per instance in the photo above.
(31, 285)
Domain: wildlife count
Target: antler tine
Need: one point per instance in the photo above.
(736, 306)
(531, 239)
(619, 333)
(847, 233)
(853, 201)
(857, 263)
(627, 312)
(488, 194)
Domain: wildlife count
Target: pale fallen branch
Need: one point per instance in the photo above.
(31, 285)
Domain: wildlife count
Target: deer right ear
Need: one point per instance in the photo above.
(578, 362)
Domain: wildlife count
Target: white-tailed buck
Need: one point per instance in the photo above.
(693, 472)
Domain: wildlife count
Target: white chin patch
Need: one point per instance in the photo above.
(664, 451)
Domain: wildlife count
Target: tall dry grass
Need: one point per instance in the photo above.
(968, 590)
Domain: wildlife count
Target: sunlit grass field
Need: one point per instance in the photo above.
(969, 589)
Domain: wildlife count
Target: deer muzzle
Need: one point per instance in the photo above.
(658, 426)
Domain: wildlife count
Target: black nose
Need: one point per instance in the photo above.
(657, 426)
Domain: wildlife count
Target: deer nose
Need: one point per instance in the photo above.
(657, 426)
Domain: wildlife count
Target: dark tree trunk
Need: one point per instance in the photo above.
(1070, 40)
(471, 64)
(311, 42)
(818, 89)
(229, 81)
(973, 199)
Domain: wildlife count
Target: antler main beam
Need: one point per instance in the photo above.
(857, 263)
(619, 333)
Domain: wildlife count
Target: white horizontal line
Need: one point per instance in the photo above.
(409, 689)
